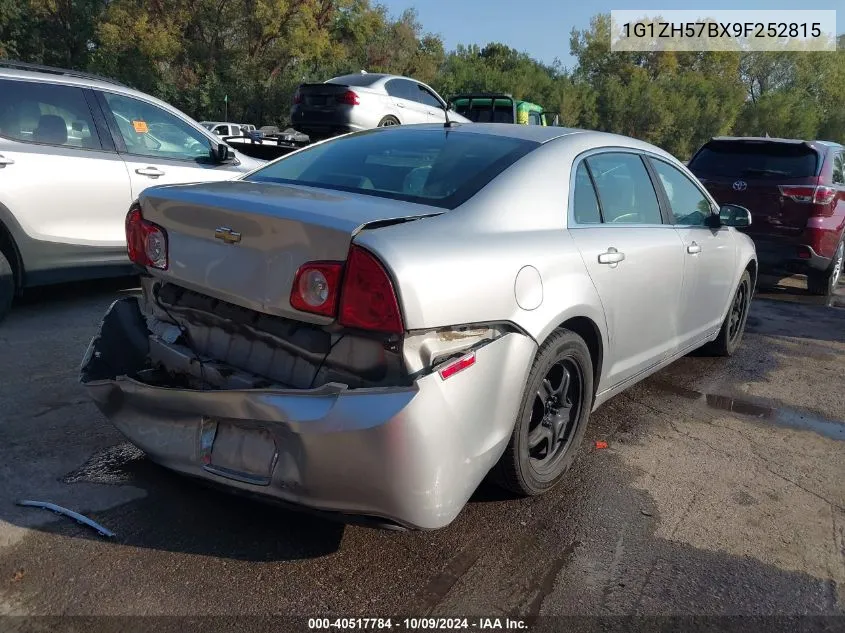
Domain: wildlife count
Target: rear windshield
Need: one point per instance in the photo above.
(435, 167)
(354, 80)
(756, 160)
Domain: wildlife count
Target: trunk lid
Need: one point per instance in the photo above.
(751, 172)
(321, 96)
(242, 242)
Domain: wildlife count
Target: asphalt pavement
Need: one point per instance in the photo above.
(720, 492)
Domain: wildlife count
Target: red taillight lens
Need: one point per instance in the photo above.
(366, 296)
(348, 98)
(824, 195)
(808, 193)
(316, 287)
(146, 242)
(799, 193)
(368, 300)
(297, 97)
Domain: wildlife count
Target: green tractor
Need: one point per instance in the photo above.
(501, 108)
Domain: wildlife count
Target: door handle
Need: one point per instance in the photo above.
(693, 249)
(5, 161)
(400, 105)
(152, 172)
(612, 257)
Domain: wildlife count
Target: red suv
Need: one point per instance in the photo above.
(795, 191)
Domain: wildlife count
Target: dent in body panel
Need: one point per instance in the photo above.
(413, 454)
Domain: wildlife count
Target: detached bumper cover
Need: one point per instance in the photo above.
(411, 455)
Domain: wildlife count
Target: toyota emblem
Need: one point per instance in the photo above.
(740, 185)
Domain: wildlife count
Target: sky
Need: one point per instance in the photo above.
(541, 27)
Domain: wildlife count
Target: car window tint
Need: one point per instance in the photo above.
(755, 159)
(838, 169)
(410, 91)
(394, 88)
(584, 200)
(428, 166)
(148, 130)
(624, 188)
(46, 113)
(362, 80)
(689, 205)
(426, 98)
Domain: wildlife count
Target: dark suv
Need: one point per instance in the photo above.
(795, 191)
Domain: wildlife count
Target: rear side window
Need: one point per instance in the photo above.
(45, 113)
(838, 169)
(435, 167)
(624, 188)
(584, 200)
(756, 160)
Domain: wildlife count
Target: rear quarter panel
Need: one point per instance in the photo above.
(461, 267)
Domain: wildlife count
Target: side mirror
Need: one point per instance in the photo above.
(221, 153)
(734, 215)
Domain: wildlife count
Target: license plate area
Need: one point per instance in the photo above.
(237, 451)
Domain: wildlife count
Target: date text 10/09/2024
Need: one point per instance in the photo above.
(417, 624)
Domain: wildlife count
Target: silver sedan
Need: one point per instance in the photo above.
(372, 325)
(352, 103)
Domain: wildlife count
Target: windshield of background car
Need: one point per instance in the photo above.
(755, 160)
(435, 167)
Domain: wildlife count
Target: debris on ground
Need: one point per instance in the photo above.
(46, 505)
(601, 444)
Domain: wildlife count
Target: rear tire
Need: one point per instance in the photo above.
(7, 285)
(552, 417)
(388, 121)
(733, 326)
(823, 283)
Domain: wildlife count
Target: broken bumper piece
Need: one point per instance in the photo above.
(409, 456)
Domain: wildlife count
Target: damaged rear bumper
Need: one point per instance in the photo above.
(410, 455)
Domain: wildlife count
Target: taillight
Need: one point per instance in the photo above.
(146, 242)
(359, 292)
(316, 287)
(348, 98)
(368, 300)
(297, 97)
(808, 193)
(824, 195)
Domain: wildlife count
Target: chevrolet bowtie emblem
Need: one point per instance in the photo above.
(227, 235)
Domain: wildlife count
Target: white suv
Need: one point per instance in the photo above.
(75, 150)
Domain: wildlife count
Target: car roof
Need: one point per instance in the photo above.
(538, 133)
(371, 78)
(81, 80)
